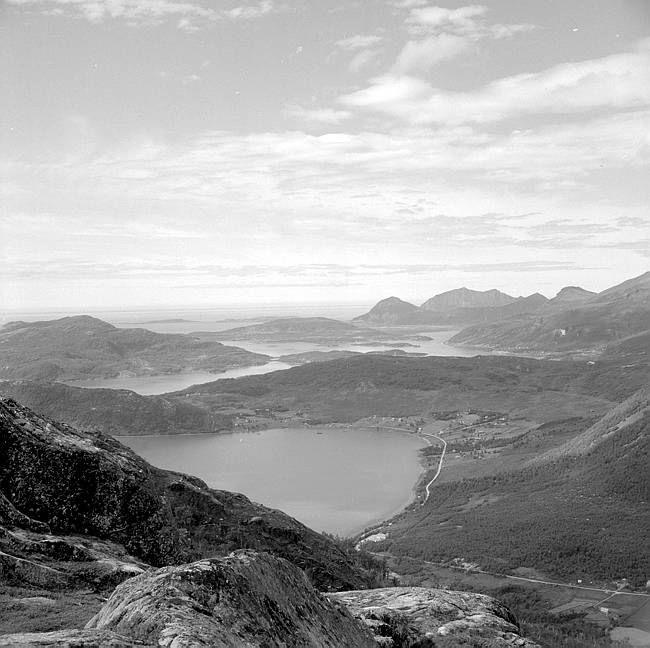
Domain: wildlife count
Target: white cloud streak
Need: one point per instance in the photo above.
(191, 16)
(620, 81)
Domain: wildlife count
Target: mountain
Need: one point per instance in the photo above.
(571, 326)
(573, 294)
(466, 298)
(78, 347)
(392, 311)
(461, 306)
(290, 328)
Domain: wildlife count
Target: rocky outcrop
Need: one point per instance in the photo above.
(58, 480)
(68, 639)
(418, 616)
(244, 599)
(258, 600)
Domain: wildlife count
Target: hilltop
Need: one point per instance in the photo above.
(466, 298)
(79, 347)
(319, 330)
(392, 310)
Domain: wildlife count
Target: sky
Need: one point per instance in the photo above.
(168, 153)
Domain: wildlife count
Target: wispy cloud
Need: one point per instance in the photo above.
(190, 15)
(317, 115)
(359, 41)
(620, 81)
(439, 34)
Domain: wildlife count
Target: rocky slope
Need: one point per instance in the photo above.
(56, 480)
(261, 601)
(86, 347)
(412, 616)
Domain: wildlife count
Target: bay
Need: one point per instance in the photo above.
(334, 479)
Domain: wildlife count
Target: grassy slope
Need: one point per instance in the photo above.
(572, 517)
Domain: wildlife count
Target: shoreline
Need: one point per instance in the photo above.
(357, 530)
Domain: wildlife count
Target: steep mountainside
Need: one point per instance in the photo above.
(571, 326)
(579, 511)
(466, 298)
(57, 480)
(628, 413)
(85, 347)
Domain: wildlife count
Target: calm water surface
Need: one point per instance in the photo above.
(331, 479)
(148, 385)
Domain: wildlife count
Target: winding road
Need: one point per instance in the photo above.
(427, 488)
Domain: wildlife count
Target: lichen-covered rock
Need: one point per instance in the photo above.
(417, 616)
(68, 639)
(245, 599)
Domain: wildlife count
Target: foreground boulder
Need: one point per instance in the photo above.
(260, 601)
(245, 599)
(420, 616)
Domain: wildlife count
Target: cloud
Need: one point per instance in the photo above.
(317, 115)
(432, 18)
(361, 59)
(191, 16)
(424, 54)
(364, 47)
(619, 81)
(442, 34)
(360, 41)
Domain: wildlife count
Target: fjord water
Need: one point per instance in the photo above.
(165, 383)
(332, 479)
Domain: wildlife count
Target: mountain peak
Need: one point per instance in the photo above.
(467, 298)
(573, 294)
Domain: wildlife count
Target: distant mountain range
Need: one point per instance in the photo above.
(574, 321)
(460, 306)
(78, 347)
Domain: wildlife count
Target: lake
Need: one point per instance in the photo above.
(162, 384)
(332, 479)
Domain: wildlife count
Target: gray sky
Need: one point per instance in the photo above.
(163, 153)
